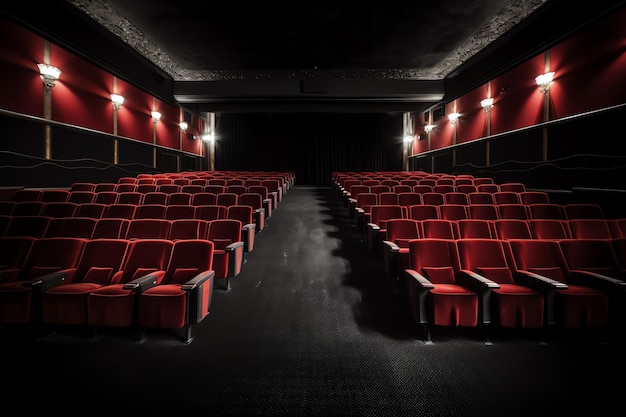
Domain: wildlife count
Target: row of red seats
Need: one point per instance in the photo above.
(133, 195)
(229, 235)
(393, 242)
(146, 283)
(518, 283)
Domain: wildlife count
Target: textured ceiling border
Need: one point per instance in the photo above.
(106, 15)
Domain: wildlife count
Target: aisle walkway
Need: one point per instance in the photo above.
(309, 329)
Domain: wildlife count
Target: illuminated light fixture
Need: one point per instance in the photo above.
(486, 104)
(207, 137)
(49, 74)
(408, 138)
(156, 116)
(117, 100)
(544, 81)
(453, 117)
(429, 128)
(183, 126)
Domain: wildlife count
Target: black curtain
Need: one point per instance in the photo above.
(312, 145)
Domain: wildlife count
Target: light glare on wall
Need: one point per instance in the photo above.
(117, 100)
(486, 104)
(544, 81)
(49, 74)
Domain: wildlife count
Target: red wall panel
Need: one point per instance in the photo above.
(168, 128)
(587, 67)
(134, 118)
(21, 86)
(472, 124)
(517, 100)
(81, 97)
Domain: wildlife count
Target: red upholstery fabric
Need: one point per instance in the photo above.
(100, 261)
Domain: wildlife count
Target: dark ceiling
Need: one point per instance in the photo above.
(227, 56)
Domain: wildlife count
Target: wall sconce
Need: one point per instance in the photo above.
(207, 137)
(544, 81)
(49, 74)
(453, 117)
(408, 138)
(156, 116)
(429, 128)
(486, 104)
(183, 126)
(117, 101)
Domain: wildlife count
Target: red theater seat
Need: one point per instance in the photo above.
(183, 297)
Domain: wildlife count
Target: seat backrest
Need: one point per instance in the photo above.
(534, 197)
(439, 229)
(486, 257)
(589, 229)
(388, 198)
(14, 251)
(401, 231)
(409, 198)
(512, 229)
(215, 188)
(549, 229)
(188, 229)
(512, 211)
(100, 260)
(466, 188)
(93, 210)
(380, 213)
(49, 196)
(179, 198)
(433, 198)
(60, 209)
(223, 232)
(143, 257)
(148, 228)
(52, 254)
(240, 212)
(436, 259)
(476, 228)
(106, 197)
(204, 198)
(253, 200)
(583, 211)
(189, 258)
(27, 195)
(32, 226)
(192, 188)
(227, 199)
(126, 188)
(150, 211)
(154, 197)
(71, 227)
(180, 211)
(453, 211)
(546, 211)
(82, 197)
(593, 255)
(422, 188)
(516, 187)
(130, 197)
(28, 208)
(423, 211)
(543, 257)
(111, 228)
(120, 211)
(104, 186)
(210, 212)
(483, 211)
(481, 197)
(456, 197)
(168, 188)
(507, 197)
(82, 186)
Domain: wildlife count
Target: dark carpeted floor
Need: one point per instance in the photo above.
(310, 327)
